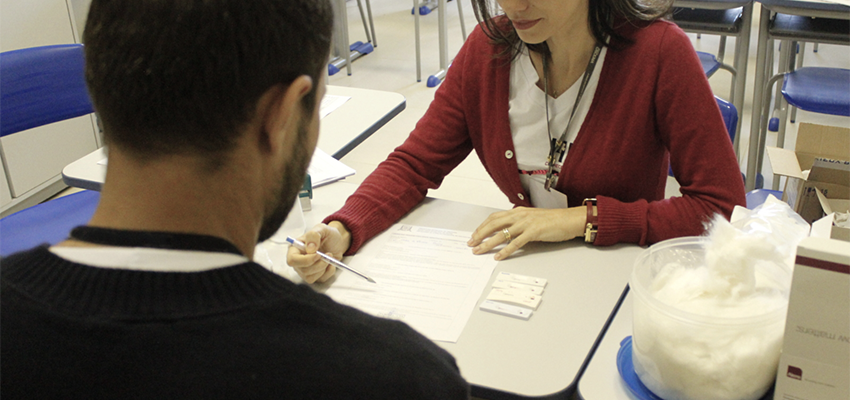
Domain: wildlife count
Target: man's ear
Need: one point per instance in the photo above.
(280, 109)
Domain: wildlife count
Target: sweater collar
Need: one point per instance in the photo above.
(68, 287)
(151, 239)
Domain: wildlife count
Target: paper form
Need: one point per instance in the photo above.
(325, 169)
(427, 278)
(330, 103)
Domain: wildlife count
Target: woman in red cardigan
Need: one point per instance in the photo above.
(575, 108)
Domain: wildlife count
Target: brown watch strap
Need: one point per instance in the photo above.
(592, 225)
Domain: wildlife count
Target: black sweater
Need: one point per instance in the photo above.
(74, 331)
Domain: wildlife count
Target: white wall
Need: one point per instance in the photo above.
(79, 10)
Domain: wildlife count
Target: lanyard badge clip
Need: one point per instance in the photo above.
(551, 179)
(556, 152)
(553, 145)
(560, 151)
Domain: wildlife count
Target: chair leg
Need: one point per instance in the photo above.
(768, 66)
(739, 80)
(762, 130)
(363, 19)
(721, 51)
(371, 23)
(341, 51)
(778, 115)
(764, 48)
(790, 63)
(462, 23)
(800, 53)
(418, 55)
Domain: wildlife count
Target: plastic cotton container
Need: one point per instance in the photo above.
(699, 346)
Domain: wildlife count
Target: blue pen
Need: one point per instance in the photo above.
(300, 246)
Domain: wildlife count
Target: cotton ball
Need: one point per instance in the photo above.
(731, 256)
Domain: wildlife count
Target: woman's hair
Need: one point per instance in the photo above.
(602, 16)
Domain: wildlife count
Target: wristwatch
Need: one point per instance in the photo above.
(592, 224)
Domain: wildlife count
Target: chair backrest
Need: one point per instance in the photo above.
(819, 89)
(42, 85)
(48, 222)
(730, 116)
(709, 62)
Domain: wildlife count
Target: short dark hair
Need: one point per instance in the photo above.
(602, 16)
(169, 76)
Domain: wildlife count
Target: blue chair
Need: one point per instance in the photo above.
(709, 62)
(39, 86)
(723, 18)
(818, 89)
(49, 222)
(730, 116)
(790, 30)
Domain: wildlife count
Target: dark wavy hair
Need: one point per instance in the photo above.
(603, 16)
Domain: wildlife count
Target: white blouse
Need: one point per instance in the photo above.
(527, 114)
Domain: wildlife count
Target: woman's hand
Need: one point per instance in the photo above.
(527, 225)
(332, 239)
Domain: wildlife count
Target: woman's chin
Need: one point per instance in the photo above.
(530, 39)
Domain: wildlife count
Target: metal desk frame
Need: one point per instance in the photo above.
(769, 8)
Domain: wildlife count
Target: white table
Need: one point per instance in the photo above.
(601, 381)
(339, 132)
(500, 355)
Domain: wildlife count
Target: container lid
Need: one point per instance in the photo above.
(627, 372)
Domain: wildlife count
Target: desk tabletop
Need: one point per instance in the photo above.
(341, 131)
(601, 381)
(837, 9)
(361, 116)
(542, 355)
(712, 4)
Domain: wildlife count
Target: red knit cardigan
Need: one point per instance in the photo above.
(653, 104)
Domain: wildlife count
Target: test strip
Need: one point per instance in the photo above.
(505, 284)
(506, 309)
(515, 297)
(528, 280)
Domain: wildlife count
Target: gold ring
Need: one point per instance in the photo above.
(507, 234)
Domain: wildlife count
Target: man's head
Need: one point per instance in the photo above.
(286, 190)
(188, 77)
(171, 76)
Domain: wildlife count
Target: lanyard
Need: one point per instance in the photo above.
(557, 148)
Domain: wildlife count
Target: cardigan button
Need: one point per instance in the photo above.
(521, 197)
(509, 154)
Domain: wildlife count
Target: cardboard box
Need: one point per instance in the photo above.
(826, 227)
(815, 360)
(825, 151)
